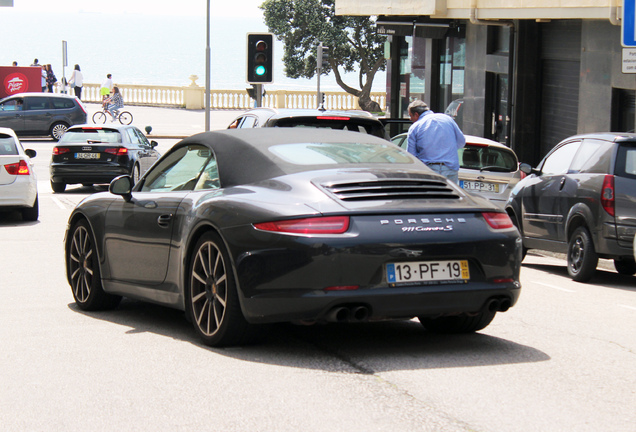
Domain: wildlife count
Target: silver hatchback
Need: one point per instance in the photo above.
(486, 167)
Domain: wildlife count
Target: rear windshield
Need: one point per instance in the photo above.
(7, 145)
(340, 153)
(487, 158)
(339, 123)
(626, 161)
(92, 134)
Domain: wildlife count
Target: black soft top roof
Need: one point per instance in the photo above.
(243, 155)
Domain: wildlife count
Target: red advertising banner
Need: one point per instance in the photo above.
(19, 80)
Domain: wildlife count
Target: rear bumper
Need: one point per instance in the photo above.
(381, 304)
(71, 174)
(21, 193)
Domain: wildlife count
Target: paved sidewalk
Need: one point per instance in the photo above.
(172, 122)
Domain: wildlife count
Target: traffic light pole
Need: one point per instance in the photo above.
(318, 73)
(258, 89)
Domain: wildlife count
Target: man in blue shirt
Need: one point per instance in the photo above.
(434, 139)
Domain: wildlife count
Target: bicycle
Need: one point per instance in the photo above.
(124, 117)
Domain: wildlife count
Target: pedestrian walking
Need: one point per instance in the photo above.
(51, 79)
(77, 81)
(434, 138)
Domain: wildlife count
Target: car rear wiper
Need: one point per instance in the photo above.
(94, 142)
(495, 169)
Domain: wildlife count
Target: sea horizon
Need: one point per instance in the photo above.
(147, 49)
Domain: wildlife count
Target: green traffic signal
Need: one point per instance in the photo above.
(260, 58)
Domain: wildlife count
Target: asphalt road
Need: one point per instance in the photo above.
(563, 359)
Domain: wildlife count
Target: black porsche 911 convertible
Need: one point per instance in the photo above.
(242, 227)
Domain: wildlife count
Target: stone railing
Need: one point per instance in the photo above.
(193, 97)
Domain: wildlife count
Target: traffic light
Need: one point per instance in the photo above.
(323, 56)
(260, 55)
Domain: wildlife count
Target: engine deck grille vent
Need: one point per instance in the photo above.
(391, 189)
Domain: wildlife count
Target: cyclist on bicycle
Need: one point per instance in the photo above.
(113, 103)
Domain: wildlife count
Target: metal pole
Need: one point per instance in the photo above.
(318, 72)
(258, 90)
(207, 70)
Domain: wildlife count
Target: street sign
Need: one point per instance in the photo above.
(628, 27)
(629, 60)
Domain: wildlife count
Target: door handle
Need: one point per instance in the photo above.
(164, 220)
(562, 184)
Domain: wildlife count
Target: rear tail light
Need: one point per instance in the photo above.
(498, 221)
(607, 194)
(117, 151)
(317, 225)
(60, 150)
(18, 168)
(332, 118)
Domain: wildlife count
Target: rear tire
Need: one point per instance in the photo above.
(58, 130)
(31, 214)
(625, 266)
(99, 117)
(582, 258)
(83, 270)
(58, 187)
(212, 301)
(458, 323)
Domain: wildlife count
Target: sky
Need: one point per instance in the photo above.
(148, 7)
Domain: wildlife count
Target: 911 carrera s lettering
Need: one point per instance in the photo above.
(426, 229)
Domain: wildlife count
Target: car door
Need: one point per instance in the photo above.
(38, 115)
(11, 114)
(139, 231)
(542, 201)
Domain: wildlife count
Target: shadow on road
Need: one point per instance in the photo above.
(352, 348)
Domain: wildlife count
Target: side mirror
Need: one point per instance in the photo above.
(153, 144)
(30, 153)
(525, 168)
(121, 185)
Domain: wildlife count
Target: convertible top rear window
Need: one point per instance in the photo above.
(340, 153)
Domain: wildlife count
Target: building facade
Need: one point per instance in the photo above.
(526, 73)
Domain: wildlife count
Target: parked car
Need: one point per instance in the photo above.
(41, 114)
(90, 154)
(257, 226)
(358, 121)
(18, 183)
(580, 201)
(486, 167)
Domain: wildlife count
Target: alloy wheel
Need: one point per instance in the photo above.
(81, 256)
(209, 288)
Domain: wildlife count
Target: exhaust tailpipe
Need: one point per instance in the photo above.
(360, 313)
(338, 314)
(493, 305)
